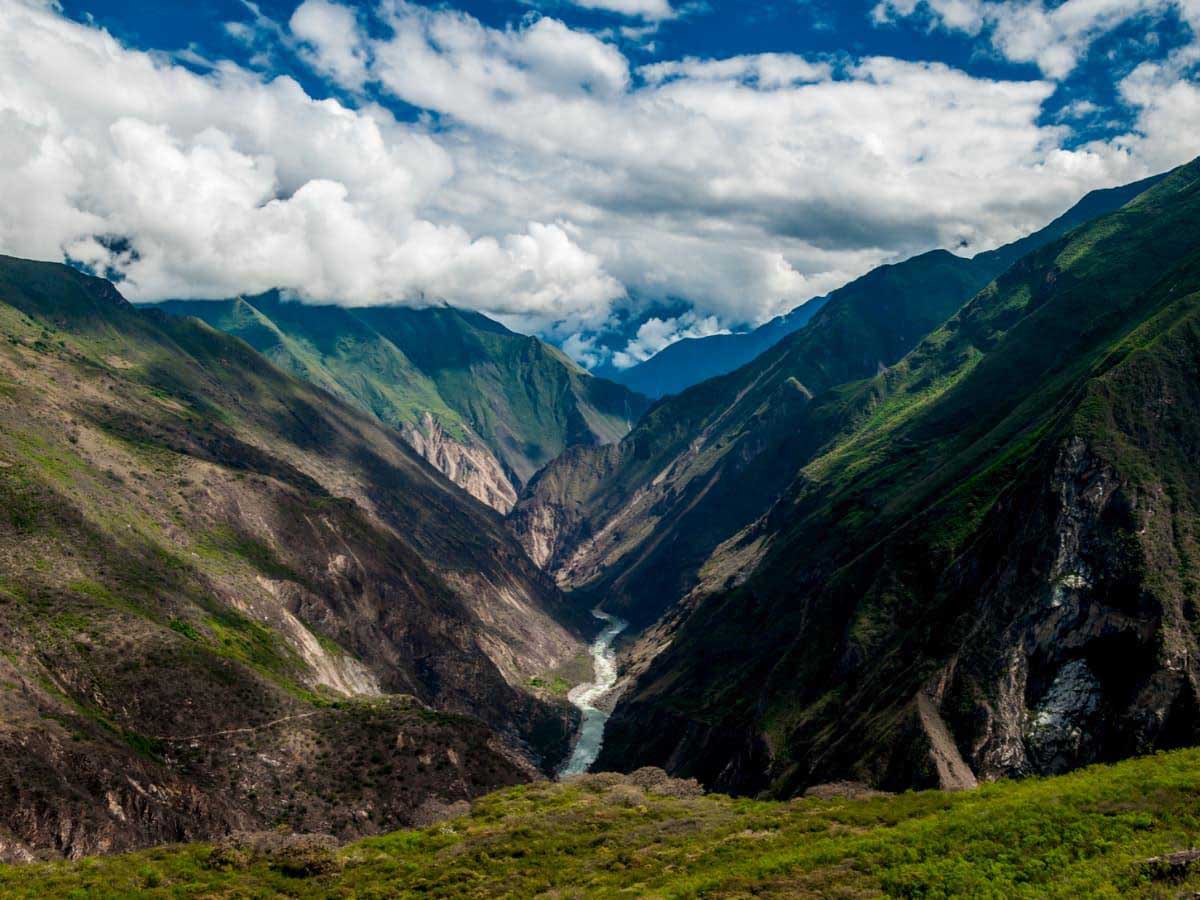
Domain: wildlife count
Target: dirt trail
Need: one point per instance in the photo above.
(248, 730)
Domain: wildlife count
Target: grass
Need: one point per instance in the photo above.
(557, 685)
(1083, 834)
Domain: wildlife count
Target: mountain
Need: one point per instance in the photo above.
(486, 406)
(984, 562)
(631, 524)
(634, 524)
(694, 500)
(689, 362)
(228, 599)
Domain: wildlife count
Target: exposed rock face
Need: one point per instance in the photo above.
(473, 468)
(1059, 727)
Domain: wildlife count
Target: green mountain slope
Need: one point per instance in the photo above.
(484, 405)
(680, 365)
(227, 599)
(1092, 833)
(690, 362)
(635, 524)
(985, 565)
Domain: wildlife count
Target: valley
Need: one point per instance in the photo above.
(273, 533)
(570, 449)
(483, 405)
(587, 696)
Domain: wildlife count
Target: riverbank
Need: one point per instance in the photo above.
(588, 697)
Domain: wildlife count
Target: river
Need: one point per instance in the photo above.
(585, 696)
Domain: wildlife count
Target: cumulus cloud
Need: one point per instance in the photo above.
(1054, 36)
(226, 183)
(552, 175)
(657, 334)
(330, 40)
(1166, 96)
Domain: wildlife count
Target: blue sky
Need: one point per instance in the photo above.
(712, 29)
(703, 165)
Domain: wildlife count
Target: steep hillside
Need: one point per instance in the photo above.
(690, 362)
(229, 599)
(693, 360)
(635, 523)
(986, 565)
(487, 407)
(1120, 831)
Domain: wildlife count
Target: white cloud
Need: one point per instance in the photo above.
(1054, 36)
(226, 183)
(585, 350)
(656, 334)
(1167, 99)
(554, 176)
(769, 71)
(651, 10)
(331, 31)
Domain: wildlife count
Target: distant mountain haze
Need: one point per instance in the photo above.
(692, 360)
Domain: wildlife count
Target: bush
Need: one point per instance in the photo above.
(295, 855)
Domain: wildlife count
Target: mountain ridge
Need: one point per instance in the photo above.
(637, 520)
(995, 533)
(486, 406)
(688, 362)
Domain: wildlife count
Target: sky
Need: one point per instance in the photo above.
(611, 174)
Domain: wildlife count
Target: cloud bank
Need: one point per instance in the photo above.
(547, 175)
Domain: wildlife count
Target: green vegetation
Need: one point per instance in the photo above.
(1084, 834)
(556, 685)
(524, 400)
(170, 504)
(958, 520)
(224, 544)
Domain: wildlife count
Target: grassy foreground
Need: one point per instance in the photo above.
(1083, 834)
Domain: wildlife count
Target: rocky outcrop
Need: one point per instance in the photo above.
(472, 467)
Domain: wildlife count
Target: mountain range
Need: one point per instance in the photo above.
(687, 362)
(692, 360)
(930, 538)
(231, 599)
(268, 563)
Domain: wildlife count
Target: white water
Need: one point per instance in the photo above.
(586, 696)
